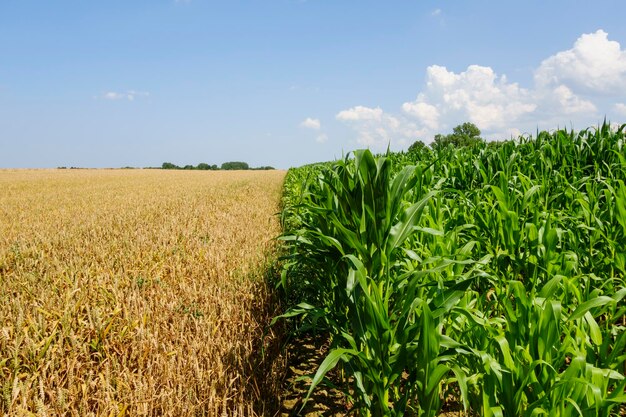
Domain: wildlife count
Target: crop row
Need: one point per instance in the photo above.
(134, 292)
(494, 274)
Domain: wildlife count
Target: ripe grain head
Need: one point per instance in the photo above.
(133, 291)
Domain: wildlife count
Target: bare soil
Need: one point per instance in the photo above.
(306, 353)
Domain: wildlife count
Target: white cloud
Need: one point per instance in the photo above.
(377, 129)
(360, 113)
(127, 95)
(570, 103)
(321, 138)
(426, 113)
(478, 94)
(436, 12)
(315, 124)
(620, 108)
(594, 65)
(569, 87)
(310, 123)
(111, 95)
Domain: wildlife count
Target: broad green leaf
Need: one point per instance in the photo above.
(401, 230)
(594, 331)
(329, 363)
(588, 305)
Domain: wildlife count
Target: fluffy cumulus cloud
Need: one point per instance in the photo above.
(595, 64)
(424, 112)
(567, 89)
(130, 95)
(310, 123)
(360, 113)
(478, 95)
(569, 102)
(377, 129)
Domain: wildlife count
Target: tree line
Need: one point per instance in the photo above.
(226, 166)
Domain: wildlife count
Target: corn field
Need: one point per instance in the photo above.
(491, 276)
(135, 292)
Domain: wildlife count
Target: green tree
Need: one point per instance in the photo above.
(466, 134)
(169, 165)
(417, 146)
(203, 166)
(233, 165)
(466, 130)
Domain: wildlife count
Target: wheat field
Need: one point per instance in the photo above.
(134, 292)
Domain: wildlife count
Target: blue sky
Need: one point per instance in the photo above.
(288, 82)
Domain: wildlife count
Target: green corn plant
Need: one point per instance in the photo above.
(361, 224)
(497, 271)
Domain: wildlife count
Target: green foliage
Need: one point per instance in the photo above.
(235, 165)
(203, 166)
(417, 147)
(169, 165)
(493, 271)
(466, 134)
(467, 130)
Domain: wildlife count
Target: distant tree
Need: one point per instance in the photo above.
(416, 147)
(235, 165)
(466, 134)
(232, 165)
(169, 165)
(466, 130)
(440, 141)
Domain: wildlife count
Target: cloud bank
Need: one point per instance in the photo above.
(567, 87)
(593, 65)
